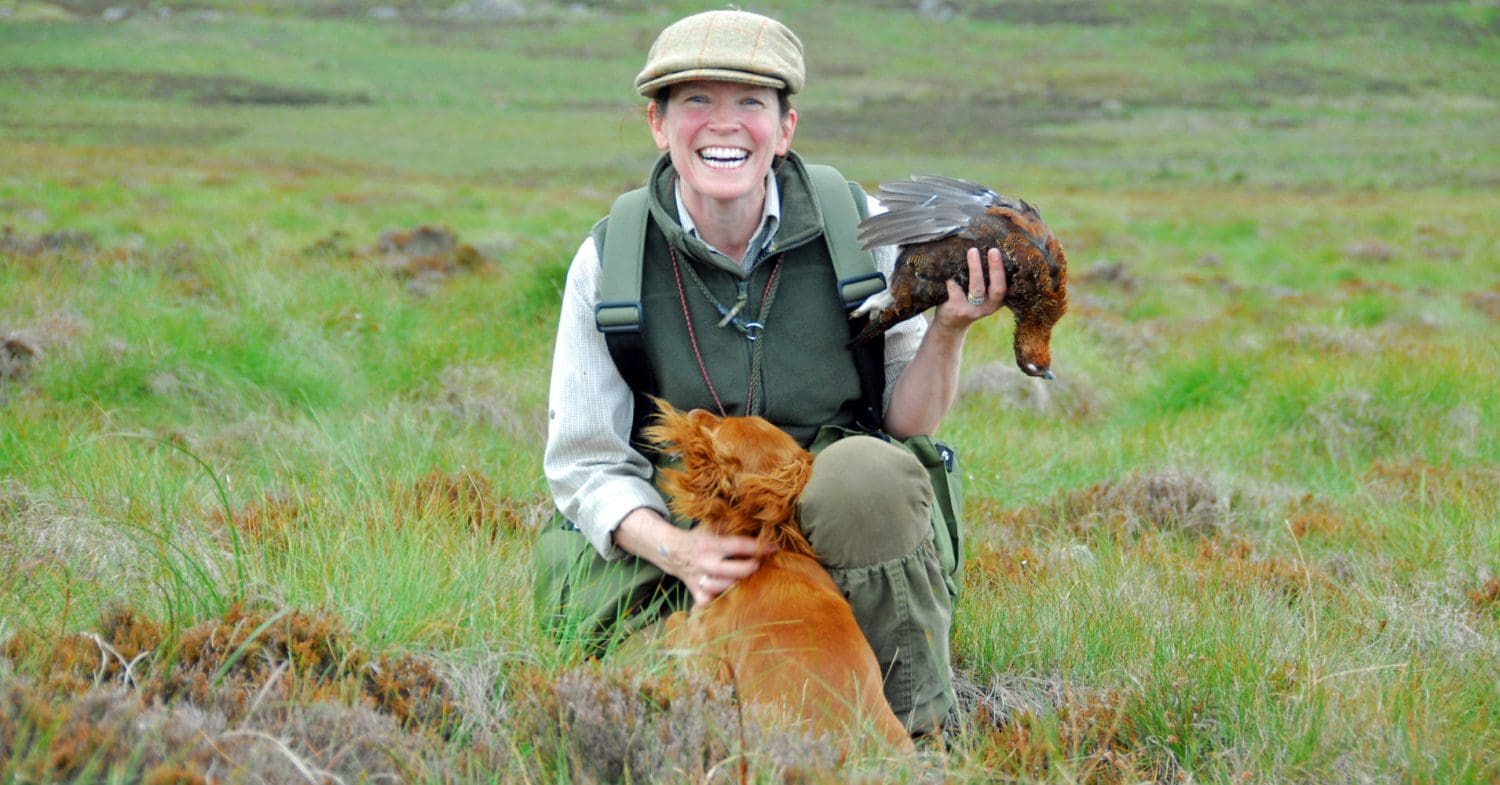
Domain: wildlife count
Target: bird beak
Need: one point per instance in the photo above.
(1032, 370)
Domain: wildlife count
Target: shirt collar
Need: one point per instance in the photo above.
(770, 220)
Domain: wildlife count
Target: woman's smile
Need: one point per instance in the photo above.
(724, 157)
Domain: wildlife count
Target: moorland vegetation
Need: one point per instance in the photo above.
(277, 289)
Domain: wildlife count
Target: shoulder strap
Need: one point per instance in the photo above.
(842, 212)
(619, 306)
(621, 241)
(843, 208)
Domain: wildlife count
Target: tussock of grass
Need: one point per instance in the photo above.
(426, 253)
(26, 343)
(1002, 385)
(253, 691)
(1169, 500)
(110, 733)
(38, 529)
(487, 397)
(666, 724)
(17, 355)
(1080, 737)
(467, 498)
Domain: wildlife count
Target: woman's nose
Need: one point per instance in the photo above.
(723, 114)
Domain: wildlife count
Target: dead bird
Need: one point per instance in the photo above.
(936, 220)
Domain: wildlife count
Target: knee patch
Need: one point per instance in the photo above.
(868, 501)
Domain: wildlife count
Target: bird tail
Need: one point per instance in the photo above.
(873, 327)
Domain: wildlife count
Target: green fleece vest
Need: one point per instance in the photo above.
(808, 375)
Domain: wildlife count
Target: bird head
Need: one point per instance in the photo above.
(1033, 345)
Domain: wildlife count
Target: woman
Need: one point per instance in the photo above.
(735, 229)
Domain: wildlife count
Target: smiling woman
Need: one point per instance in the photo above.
(734, 244)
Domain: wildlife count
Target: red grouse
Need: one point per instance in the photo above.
(936, 220)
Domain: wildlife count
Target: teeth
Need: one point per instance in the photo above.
(723, 157)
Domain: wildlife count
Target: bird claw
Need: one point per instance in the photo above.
(873, 304)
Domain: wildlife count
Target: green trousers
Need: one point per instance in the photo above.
(868, 512)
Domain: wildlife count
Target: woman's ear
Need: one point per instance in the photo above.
(657, 121)
(787, 130)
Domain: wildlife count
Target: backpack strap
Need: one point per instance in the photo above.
(843, 206)
(618, 314)
(843, 209)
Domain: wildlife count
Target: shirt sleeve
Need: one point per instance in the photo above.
(903, 338)
(596, 477)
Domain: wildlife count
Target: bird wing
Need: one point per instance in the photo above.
(926, 207)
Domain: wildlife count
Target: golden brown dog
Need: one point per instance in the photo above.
(785, 636)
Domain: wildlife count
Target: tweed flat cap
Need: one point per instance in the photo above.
(730, 46)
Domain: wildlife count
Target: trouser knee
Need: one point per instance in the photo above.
(868, 501)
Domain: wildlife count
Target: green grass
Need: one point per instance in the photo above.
(1282, 222)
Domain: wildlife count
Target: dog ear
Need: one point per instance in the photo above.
(792, 475)
(770, 499)
(669, 427)
(708, 470)
(701, 487)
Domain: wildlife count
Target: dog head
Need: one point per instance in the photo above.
(739, 475)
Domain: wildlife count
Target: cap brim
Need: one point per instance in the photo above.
(649, 88)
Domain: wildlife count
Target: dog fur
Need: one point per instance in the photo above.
(785, 637)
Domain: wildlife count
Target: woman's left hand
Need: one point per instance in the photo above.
(963, 308)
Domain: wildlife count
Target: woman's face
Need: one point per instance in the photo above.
(722, 137)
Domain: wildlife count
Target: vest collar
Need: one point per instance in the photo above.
(801, 220)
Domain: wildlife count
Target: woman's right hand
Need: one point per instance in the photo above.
(707, 563)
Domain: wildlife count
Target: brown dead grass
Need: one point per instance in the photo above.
(998, 565)
(1105, 275)
(268, 521)
(1313, 517)
(1370, 251)
(484, 396)
(1486, 598)
(250, 655)
(1418, 480)
(1236, 563)
(24, 346)
(426, 253)
(64, 241)
(44, 530)
(17, 356)
(1167, 501)
(1352, 422)
(467, 498)
(603, 725)
(1486, 302)
(114, 733)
